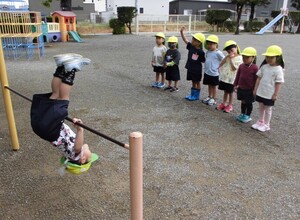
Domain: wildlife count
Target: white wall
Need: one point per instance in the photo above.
(99, 4)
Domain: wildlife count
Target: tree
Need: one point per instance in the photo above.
(65, 5)
(239, 8)
(125, 15)
(296, 4)
(217, 17)
(254, 3)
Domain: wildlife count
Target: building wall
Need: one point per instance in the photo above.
(274, 5)
(178, 7)
(82, 10)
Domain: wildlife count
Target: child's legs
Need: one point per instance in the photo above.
(196, 85)
(225, 97)
(162, 77)
(214, 92)
(55, 85)
(261, 111)
(268, 114)
(176, 84)
(230, 98)
(157, 77)
(243, 107)
(249, 108)
(64, 91)
(210, 92)
(169, 83)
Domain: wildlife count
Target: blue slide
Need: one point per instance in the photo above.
(75, 36)
(271, 23)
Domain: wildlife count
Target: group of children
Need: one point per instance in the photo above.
(235, 72)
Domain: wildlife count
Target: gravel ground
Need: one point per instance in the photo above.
(198, 163)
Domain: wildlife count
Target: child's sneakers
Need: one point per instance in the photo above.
(174, 89)
(155, 84)
(161, 85)
(168, 88)
(211, 102)
(239, 118)
(228, 108)
(257, 125)
(60, 59)
(76, 64)
(205, 101)
(245, 119)
(263, 128)
(221, 107)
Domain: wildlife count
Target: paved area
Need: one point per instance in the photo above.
(198, 163)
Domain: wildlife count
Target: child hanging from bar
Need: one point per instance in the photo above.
(49, 110)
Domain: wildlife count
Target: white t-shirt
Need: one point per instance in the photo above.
(158, 55)
(270, 75)
(227, 75)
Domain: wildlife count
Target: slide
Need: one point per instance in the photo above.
(271, 23)
(75, 36)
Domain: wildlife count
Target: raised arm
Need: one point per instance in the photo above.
(184, 38)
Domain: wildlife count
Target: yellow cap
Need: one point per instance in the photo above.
(173, 39)
(160, 34)
(199, 37)
(272, 51)
(78, 169)
(249, 51)
(231, 42)
(213, 38)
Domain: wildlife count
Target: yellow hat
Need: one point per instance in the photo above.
(231, 42)
(78, 169)
(249, 51)
(160, 34)
(199, 37)
(173, 39)
(273, 51)
(213, 38)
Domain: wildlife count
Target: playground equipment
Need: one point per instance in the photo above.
(67, 25)
(135, 146)
(284, 14)
(21, 34)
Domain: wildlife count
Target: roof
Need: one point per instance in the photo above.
(65, 13)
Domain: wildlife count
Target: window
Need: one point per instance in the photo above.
(141, 10)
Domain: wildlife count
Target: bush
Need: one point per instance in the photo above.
(253, 26)
(217, 17)
(117, 26)
(230, 25)
(125, 15)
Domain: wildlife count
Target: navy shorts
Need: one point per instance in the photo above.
(47, 116)
(268, 102)
(194, 77)
(226, 87)
(245, 95)
(210, 80)
(159, 69)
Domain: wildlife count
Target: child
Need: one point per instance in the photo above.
(244, 83)
(48, 112)
(213, 58)
(172, 59)
(269, 79)
(158, 56)
(228, 68)
(196, 57)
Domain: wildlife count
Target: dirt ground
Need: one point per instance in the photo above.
(198, 163)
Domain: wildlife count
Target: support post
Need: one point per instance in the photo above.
(190, 23)
(136, 175)
(7, 101)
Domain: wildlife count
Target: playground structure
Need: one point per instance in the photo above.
(282, 16)
(21, 34)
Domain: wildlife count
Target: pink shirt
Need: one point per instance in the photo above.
(246, 76)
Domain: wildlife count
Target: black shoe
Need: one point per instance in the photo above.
(168, 88)
(69, 77)
(60, 72)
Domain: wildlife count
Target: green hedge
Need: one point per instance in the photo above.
(253, 26)
(217, 17)
(117, 26)
(230, 26)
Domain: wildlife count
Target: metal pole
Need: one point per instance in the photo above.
(7, 101)
(136, 175)
(137, 18)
